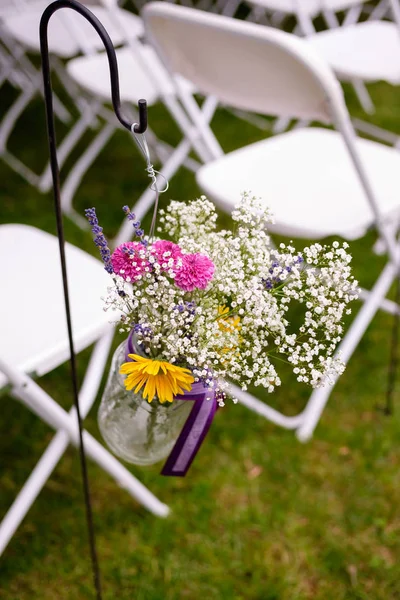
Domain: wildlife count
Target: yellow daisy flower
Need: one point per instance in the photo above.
(158, 377)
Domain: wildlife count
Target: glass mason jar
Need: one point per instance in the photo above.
(136, 430)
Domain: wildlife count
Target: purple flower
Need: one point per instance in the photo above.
(99, 239)
(142, 330)
(135, 224)
(267, 283)
(205, 379)
(190, 307)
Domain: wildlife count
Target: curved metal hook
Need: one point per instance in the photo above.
(112, 60)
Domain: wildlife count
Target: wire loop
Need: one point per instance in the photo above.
(141, 143)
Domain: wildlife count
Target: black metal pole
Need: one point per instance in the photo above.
(140, 128)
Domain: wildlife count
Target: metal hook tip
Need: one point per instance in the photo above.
(141, 128)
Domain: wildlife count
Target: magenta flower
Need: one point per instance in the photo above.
(128, 261)
(165, 250)
(196, 272)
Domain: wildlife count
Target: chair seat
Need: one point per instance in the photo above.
(92, 73)
(305, 176)
(32, 315)
(24, 28)
(369, 51)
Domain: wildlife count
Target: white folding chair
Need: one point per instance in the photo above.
(34, 341)
(69, 35)
(317, 182)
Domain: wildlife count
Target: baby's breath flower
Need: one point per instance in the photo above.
(234, 327)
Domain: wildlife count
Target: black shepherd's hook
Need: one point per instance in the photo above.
(140, 128)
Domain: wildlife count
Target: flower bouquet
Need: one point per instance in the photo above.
(204, 307)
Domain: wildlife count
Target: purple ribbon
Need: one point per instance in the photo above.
(194, 430)
(130, 347)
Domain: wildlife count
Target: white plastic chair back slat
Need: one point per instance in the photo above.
(285, 79)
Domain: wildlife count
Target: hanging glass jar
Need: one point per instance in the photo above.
(138, 431)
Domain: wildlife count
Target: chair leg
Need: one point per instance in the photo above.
(352, 16)
(383, 135)
(320, 396)
(57, 446)
(22, 62)
(47, 409)
(14, 163)
(13, 114)
(43, 470)
(43, 405)
(31, 488)
(363, 97)
(227, 7)
(10, 71)
(264, 410)
(280, 125)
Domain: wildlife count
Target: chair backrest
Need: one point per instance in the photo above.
(247, 66)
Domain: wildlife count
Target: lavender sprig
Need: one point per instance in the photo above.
(136, 224)
(99, 239)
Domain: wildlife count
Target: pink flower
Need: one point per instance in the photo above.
(165, 250)
(127, 262)
(196, 271)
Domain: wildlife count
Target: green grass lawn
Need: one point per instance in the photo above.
(259, 515)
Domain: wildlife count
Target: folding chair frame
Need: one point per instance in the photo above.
(305, 422)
